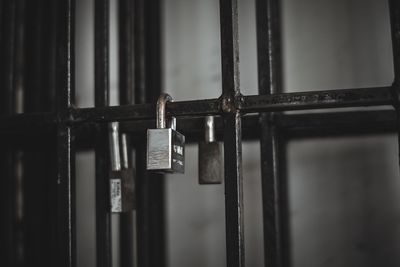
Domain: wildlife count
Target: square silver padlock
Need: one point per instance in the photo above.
(165, 146)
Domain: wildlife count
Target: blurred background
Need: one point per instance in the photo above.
(344, 193)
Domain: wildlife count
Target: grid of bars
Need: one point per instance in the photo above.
(44, 69)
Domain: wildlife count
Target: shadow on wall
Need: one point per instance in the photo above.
(345, 201)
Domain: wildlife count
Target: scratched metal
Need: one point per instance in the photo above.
(318, 99)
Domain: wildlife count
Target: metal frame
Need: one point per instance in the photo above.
(237, 118)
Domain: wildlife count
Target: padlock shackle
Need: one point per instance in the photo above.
(115, 157)
(209, 126)
(124, 152)
(161, 119)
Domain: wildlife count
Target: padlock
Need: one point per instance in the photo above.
(122, 186)
(165, 146)
(211, 165)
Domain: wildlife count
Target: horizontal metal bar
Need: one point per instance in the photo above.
(318, 99)
(145, 111)
(246, 104)
(304, 125)
(277, 102)
(338, 123)
(314, 124)
(294, 125)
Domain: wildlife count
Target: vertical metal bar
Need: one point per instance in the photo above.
(2, 6)
(39, 169)
(232, 134)
(126, 87)
(394, 7)
(229, 47)
(233, 190)
(50, 48)
(272, 144)
(102, 91)
(7, 56)
(66, 234)
(40, 54)
(8, 231)
(150, 187)
(126, 52)
(39, 165)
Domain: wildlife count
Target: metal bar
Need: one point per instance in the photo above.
(271, 142)
(126, 91)
(145, 111)
(35, 63)
(250, 104)
(234, 222)
(394, 7)
(66, 233)
(149, 186)
(39, 165)
(65, 227)
(142, 176)
(102, 91)
(233, 190)
(303, 125)
(7, 57)
(247, 104)
(318, 99)
(337, 123)
(50, 54)
(2, 6)
(65, 59)
(126, 52)
(8, 228)
(292, 125)
(38, 123)
(229, 47)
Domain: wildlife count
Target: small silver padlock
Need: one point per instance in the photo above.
(165, 146)
(211, 165)
(122, 185)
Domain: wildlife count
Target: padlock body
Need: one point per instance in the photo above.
(165, 150)
(211, 165)
(122, 190)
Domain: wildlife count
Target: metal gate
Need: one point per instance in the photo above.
(41, 129)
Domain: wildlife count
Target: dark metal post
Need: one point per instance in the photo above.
(394, 7)
(2, 6)
(126, 86)
(271, 140)
(66, 233)
(232, 134)
(149, 186)
(102, 91)
(39, 168)
(9, 232)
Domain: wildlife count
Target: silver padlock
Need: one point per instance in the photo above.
(122, 186)
(211, 165)
(165, 146)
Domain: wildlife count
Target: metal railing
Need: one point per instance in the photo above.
(44, 68)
